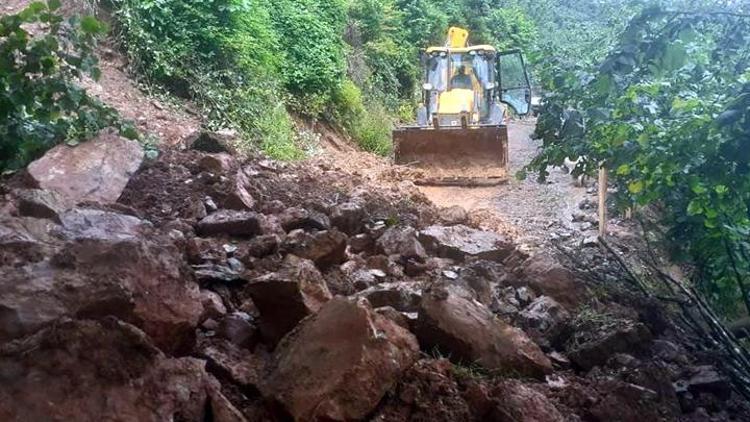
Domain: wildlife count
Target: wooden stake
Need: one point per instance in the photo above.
(602, 201)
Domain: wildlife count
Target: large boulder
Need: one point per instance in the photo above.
(97, 263)
(546, 276)
(338, 364)
(468, 332)
(230, 361)
(460, 242)
(96, 170)
(102, 370)
(285, 297)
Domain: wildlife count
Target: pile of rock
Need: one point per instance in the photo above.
(204, 287)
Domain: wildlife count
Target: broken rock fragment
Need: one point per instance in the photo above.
(295, 218)
(543, 320)
(402, 296)
(401, 241)
(285, 297)
(39, 203)
(593, 347)
(467, 331)
(338, 364)
(348, 217)
(548, 277)
(460, 242)
(230, 223)
(326, 248)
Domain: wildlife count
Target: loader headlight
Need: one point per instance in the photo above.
(443, 54)
(427, 86)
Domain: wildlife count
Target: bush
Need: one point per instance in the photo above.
(372, 130)
(310, 33)
(666, 110)
(40, 103)
(222, 54)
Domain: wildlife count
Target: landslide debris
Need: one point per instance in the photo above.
(210, 287)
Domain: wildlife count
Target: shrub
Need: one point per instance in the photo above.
(372, 131)
(40, 103)
(222, 54)
(310, 33)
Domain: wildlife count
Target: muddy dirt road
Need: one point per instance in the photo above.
(534, 211)
(530, 212)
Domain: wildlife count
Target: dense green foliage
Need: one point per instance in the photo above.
(40, 103)
(667, 110)
(220, 53)
(251, 64)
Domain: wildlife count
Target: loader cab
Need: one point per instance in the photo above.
(447, 103)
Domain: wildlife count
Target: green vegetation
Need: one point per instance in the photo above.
(353, 63)
(40, 104)
(667, 109)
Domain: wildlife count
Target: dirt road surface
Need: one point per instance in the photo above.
(534, 210)
(530, 212)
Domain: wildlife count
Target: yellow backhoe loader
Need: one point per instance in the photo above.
(461, 137)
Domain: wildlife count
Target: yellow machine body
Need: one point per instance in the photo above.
(455, 144)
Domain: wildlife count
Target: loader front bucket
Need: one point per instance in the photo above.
(474, 156)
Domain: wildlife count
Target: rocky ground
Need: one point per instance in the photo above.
(204, 287)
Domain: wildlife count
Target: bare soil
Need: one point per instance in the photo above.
(161, 121)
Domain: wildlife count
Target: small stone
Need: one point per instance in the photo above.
(213, 306)
(236, 265)
(451, 275)
(590, 241)
(378, 273)
(525, 295)
(210, 204)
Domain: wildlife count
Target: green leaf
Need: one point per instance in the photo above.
(623, 170)
(635, 187)
(92, 26)
(53, 5)
(694, 207)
